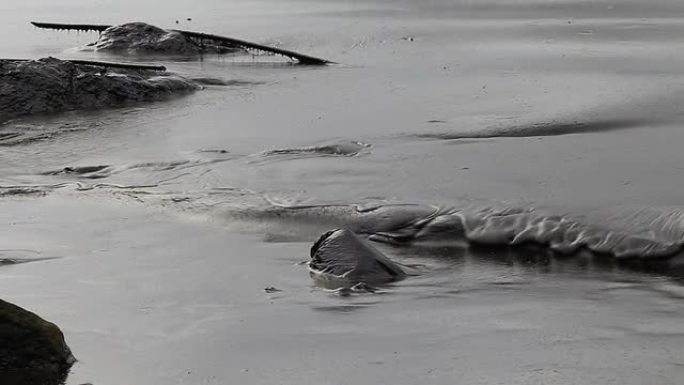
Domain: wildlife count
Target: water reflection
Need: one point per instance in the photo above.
(537, 260)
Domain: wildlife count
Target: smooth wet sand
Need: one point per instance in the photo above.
(195, 311)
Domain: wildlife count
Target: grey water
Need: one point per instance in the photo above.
(152, 231)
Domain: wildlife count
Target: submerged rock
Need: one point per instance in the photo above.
(51, 85)
(32, 350)
(341, 259)
(143, 38)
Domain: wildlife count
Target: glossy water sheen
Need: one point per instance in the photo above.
(155, 264)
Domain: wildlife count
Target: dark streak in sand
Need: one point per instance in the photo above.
(542, 129)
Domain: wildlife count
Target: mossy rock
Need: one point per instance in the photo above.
(32, 350)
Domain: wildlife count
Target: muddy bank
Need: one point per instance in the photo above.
(143, 38)
(51, 85)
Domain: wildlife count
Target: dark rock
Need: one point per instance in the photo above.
(32, 350)
(143, 38)
(51, 85)
(341, 259)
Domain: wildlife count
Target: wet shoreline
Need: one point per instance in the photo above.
(169, 240)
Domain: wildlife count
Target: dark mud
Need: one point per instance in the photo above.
(144, 39)
(209, 81)
(620, 233)
(541, 129)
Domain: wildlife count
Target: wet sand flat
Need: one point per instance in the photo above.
(152, 226)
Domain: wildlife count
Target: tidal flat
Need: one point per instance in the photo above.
(169, 240)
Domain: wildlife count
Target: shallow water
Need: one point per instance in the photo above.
(156, 228)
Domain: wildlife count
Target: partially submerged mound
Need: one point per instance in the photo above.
(143, 38)
(341, 259)
(32, 350)
(52, 85)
